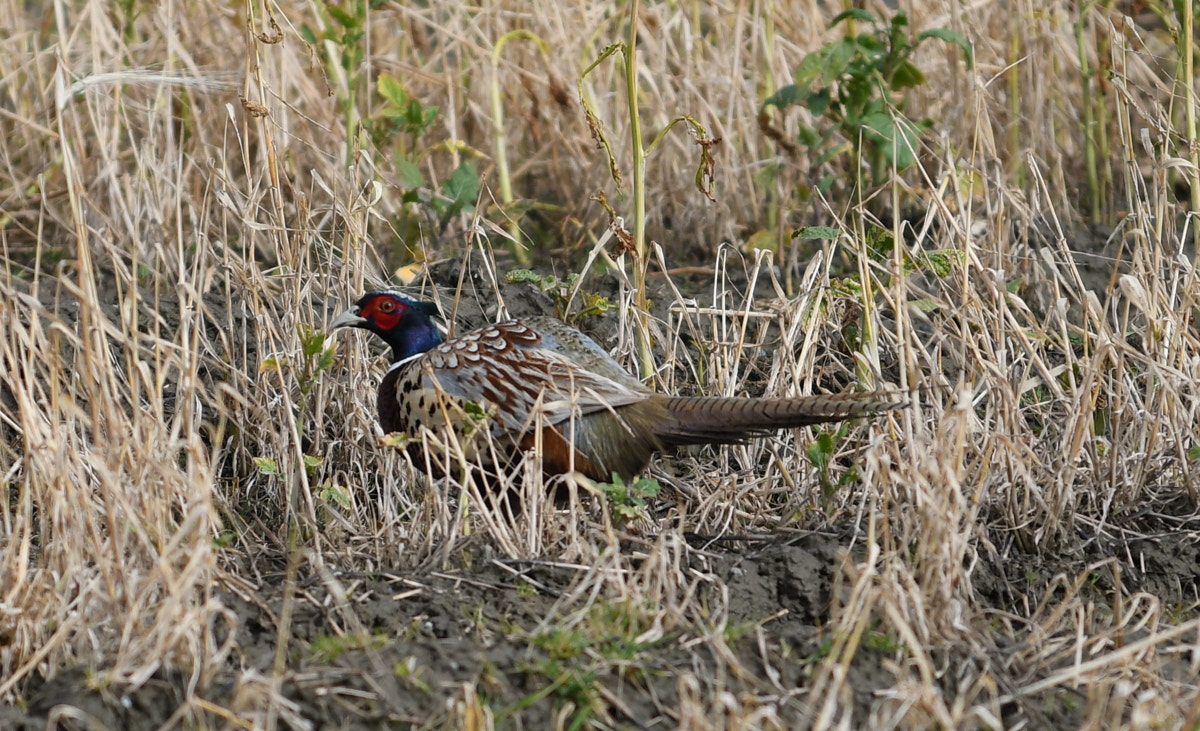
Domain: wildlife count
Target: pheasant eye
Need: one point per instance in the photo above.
(387, 306)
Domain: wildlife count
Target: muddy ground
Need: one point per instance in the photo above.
(478, 624)
(443, 626)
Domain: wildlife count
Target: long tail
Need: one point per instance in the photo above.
(719, 420)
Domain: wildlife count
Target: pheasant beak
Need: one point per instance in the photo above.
(349, 318)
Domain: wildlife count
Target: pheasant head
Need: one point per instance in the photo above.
(404, 324)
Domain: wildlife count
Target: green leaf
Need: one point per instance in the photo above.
(880, 243)
(824, 233)
(817, 457)
(899, 155)
(818, 102)
(898, 137)
(859, 101)
(825, 440)
(870, 46)
(266, 465)
(882, 129)
(595, 304)
(907, 76)
(785, 97)
(311, 341)
(395, 440)
(418, 117)
(810, 66)
(463, 185)
(647, 487)
(943, 261)
(410, 174)
(346, 20)
(477, 417)
(853, 13)
(328, 355)
(839, 57)
(950, 36)
(519, 276)
(392, 90)
(626, 511)
(335, 494)
(272, 364)
(310, 461)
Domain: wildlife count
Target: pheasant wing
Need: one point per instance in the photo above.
(524, 375)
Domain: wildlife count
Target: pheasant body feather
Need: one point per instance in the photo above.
(539, 384)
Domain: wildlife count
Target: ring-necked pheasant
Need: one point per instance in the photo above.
(539, 383)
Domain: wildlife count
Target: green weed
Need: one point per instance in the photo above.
(858, 86)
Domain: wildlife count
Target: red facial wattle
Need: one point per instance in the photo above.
(385, 312)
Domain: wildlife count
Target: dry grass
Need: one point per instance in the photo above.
(182, 200)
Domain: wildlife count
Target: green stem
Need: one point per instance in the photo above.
(641, 265)
(501, 149)
(1016, 163)
(1189, 86)
(519, 252)
(1089, 113)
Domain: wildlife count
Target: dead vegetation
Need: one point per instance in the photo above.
(189, 194)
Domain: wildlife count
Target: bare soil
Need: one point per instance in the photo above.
(424, 633)
(482, 624)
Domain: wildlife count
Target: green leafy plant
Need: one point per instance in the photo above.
(561, 644)
(629, 501)
(408, 670)
(636, 243)
(511, 211)
(338, 40)
(561, 290)
(327, 648)
(940, 263)
(401, 122)
(858, 86)
(821, 452)
(318, 352)
(476, 417)
(317, 355)
(609, 641)
(328, 491)
(405, 121)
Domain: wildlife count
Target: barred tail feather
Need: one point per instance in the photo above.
(720, 420)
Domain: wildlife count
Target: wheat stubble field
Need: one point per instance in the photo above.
(200, 526)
